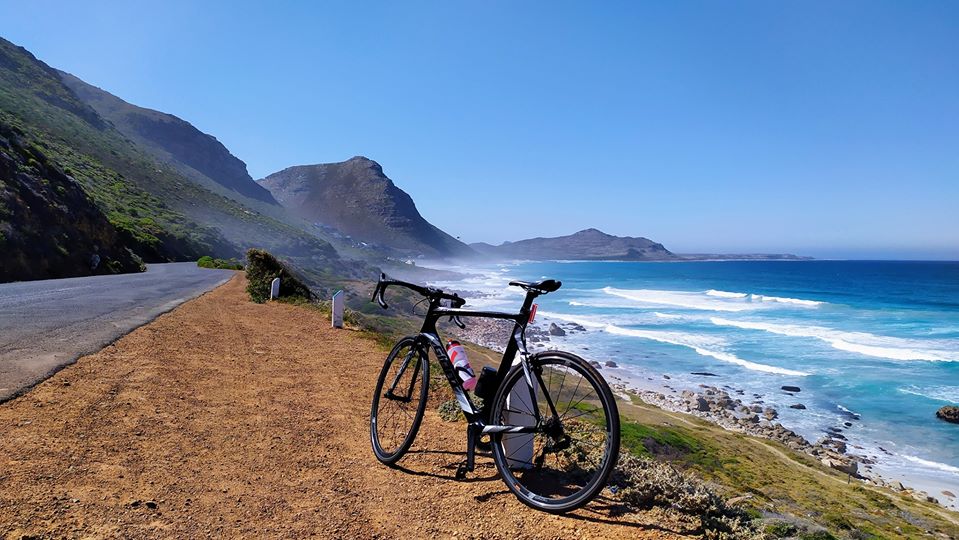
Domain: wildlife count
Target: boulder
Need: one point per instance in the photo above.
(847, 466)
(949, 413)
(701, 404)
(555, 330)
(788, 388)
(610, 363)
(770, 413)
(799, 406)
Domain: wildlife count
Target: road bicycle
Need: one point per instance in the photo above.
(551, 419)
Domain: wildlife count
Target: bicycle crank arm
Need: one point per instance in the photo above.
(511, 429)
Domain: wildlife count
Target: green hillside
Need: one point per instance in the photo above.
(163, 214)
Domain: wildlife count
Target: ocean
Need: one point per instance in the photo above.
(874, 344)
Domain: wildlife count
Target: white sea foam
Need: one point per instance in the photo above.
(582, 320)
(703, 345)
(845, 410)
(783, 300)
(598, 305)
(711, 300)
(725, 294)
(764, 298)
(932, 464)
(948, 394)
(668, 316)
(683, 299)
(864, 343)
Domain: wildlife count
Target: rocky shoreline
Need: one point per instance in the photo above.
(730, 408)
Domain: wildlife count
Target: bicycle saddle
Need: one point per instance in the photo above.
(542, 287)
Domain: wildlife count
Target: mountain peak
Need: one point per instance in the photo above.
(590, 232)
(358, 199)
(364, 161)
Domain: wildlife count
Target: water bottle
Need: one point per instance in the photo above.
(461, 364)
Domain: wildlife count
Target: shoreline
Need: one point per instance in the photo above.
(732, 409)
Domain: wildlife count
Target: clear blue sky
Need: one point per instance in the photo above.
(823, 128)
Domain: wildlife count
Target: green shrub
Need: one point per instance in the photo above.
(262, 268)
(223, 264)
(642, 483)
(817, 535)
(450, 411)
(781, 529)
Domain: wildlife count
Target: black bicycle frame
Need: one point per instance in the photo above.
(429, 335)
(429, 338)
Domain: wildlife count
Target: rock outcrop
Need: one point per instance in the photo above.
(49, 227)
(358, 199)
(949, 413)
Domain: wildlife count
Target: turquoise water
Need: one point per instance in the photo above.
(875, 344)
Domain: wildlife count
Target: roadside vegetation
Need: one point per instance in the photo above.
(262, 268)
(222, 264)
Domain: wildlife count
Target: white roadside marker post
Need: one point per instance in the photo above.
(275, 289)
(337, 314)
(519, 446)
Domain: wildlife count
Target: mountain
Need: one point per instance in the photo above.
(172, 140)
(159, 212)
(588, 244)
(357, 198)
(49, 227)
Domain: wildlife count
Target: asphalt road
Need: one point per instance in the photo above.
(45, 325)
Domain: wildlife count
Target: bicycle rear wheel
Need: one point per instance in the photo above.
(568, 459)
(399, 401)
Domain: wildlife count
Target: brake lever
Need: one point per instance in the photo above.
(456, 320)
(378, 296)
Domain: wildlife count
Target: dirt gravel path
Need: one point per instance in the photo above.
(225, 418)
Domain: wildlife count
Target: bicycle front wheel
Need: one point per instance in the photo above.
(567, 460)
(399, 400)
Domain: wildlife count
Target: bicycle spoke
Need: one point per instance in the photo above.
(399, 406)
(566, 462)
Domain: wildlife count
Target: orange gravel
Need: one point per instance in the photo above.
(225, 418)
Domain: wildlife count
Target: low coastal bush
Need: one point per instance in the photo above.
(780, 529)
(262, 268)
(450, 411)
(223, 264)
(641, 484)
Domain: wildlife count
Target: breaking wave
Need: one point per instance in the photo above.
(864, 343)
(932, 464)
(703, 345)
(711, 300)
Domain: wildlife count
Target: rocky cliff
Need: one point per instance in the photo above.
(49, 227)
(357, 198)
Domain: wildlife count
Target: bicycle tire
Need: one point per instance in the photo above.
(535, 478)
(401, 439)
